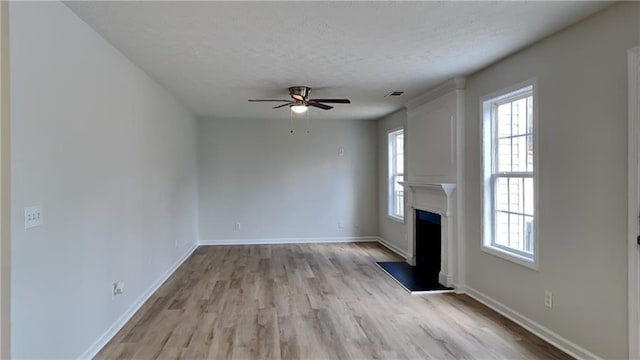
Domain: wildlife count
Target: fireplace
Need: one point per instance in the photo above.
(424, 275)
(428, 245)
(438, 199)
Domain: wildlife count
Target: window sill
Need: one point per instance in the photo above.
(396, 218)
(522, 261)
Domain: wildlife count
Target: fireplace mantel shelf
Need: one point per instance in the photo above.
(446, 187)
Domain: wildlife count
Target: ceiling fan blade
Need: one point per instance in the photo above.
(332, 101)
(321, 106)
(269, 100)
(297, 97)
(283, 105)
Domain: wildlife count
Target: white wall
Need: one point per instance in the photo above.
(392, 231)
(112, 158)
(282, 185)
(582, 105)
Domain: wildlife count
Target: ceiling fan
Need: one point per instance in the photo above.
(301, 101)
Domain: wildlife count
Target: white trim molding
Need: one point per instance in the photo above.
(310, 240)
(634, 202)
(91, 352)
(460, 190)
(542, 332)
(392, 247)
(457, 83)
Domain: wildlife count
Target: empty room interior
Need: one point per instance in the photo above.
(319, 180)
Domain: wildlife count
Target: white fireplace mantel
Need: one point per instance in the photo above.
(446, 188)
(437, 198)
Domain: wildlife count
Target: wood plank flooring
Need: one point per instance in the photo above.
(311, 301)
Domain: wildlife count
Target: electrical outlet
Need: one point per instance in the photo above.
(238, 226)
(340, 224)
(33, 216)
(340, 151)
(118, 288)
(175, 244)
(548, 299)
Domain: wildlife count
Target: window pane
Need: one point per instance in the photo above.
(516, 195)
(514, 231)
(515, 154)
(503, 112)
(502, 194)
(400, 164)
(400, 144)
(396, 169)
(528, 234)
(530, 114)
(502, 229)
(519, 117)
(519, 153)
(529, 153)
(528, 196)
(516, 224)
(504, 155)
(398, 196)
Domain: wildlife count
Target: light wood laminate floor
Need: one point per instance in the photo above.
(311, 301)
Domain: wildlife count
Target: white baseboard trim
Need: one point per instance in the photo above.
(392, 247)
(122, 320)
(268, 241)
(549, 336)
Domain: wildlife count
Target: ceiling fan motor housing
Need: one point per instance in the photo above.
(299, 92)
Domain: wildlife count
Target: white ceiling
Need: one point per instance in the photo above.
(215, 55)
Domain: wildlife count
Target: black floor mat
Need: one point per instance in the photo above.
(410, 277)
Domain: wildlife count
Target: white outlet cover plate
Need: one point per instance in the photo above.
(548, 298)
(33, 216)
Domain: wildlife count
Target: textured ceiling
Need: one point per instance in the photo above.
(214, 56)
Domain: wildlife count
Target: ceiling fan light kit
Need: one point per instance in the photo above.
(301, 101)
(299, 109)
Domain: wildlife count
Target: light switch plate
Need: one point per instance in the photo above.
(33, 216)
(118, 288)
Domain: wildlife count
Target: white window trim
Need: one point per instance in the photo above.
(486, 139)
(391, 170)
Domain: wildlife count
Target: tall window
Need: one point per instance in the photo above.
(396, 174)
(509, 167)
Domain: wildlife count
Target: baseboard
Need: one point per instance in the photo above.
(549, 336)
(392, 247)
(268, 241)
(122, 320)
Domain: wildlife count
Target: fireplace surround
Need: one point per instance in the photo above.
(437, 199)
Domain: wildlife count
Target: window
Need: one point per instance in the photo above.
(509, 119)
(396, 174)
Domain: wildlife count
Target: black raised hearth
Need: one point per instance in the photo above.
(424, 275)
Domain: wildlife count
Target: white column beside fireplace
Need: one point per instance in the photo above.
(434, 173)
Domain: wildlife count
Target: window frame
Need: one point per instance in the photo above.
(490, 175)
(391, 174)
